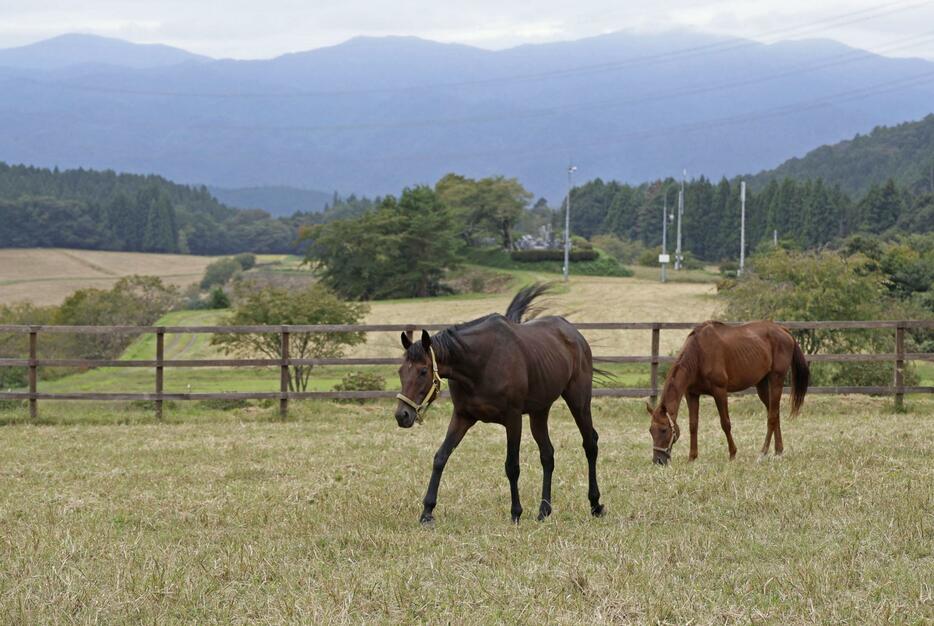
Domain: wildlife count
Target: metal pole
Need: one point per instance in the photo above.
(567, 226)
(742, 228)
(665, 235)
(678, 257)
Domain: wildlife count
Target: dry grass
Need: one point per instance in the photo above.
(233, 518)
(48, 275)
(587, 299)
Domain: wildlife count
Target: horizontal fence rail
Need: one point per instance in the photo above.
(654, 359)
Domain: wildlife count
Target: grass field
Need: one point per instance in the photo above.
(234, 517)
(48, 276)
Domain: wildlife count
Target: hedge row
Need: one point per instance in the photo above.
(533, 256)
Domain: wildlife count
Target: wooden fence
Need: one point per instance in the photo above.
(158, 396)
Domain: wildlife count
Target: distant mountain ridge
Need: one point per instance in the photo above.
(904, 153)
(279, 201)
(77, 49)
(373, 115)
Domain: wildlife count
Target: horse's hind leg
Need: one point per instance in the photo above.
(538, 422)
(513, 425)
(578, 401)
(776, 382)
(762, 388)
(720, 397)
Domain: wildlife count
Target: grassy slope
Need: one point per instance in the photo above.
(48, 276)
(233, 517)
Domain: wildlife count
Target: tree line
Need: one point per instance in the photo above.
(109, 211)
(806, 215)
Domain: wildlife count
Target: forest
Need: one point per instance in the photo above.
(804, 215)
(110, 211)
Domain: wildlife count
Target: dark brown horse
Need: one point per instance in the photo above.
(498, 369)
(718, 358)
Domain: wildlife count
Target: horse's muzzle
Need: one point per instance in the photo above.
(405, 417)
(660, 458)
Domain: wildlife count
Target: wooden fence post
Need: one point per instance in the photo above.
(284, 375)
(160, 357)
(899, 366)
(656, 332)
(33, 372)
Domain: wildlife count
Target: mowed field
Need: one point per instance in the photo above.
(234, 517)
(48, 276)
(222, 513)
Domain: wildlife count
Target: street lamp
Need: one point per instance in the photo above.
(567, 224)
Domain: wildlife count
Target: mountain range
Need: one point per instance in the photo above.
(373, 115)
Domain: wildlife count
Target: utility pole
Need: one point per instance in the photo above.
(567, 225)
(678, 257)
(742, 228)
(775, 238)
(663, 257)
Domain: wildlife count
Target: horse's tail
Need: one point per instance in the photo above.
(521, 307)
(604, 376)
(800, 377)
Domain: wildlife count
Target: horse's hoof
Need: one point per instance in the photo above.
(544, 511)
(598, 511)
(515, 518)
(427, 519)
(762, 457)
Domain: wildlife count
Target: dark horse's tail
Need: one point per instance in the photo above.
(800, 377)
(521, 307)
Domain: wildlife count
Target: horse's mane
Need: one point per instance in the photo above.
(449, 345)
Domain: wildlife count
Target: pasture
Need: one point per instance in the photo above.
(232, 516)
(48, 276)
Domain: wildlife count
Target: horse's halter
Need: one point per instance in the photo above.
(674, 437)
(432, 392)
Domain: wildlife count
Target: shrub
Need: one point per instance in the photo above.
(220, 272)
(623, 250)
(217, 299)
(246, 260)
(534, 256)
(360, 381)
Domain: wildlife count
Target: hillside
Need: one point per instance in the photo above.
(48, 276)
(110, 211)
(373, 115)
(904, 153)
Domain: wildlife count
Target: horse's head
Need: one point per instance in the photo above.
(665, 432)
(419, 380)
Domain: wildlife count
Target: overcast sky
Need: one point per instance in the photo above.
(266, 28)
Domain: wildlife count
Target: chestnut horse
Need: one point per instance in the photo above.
(718, 358)
(498, 369)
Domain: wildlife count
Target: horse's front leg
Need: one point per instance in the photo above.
(457, 428)
(693, 417)
(513, 425)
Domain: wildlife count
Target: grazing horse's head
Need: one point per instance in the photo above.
(419, 380)
(665, 432)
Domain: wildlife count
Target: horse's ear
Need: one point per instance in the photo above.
(406, 340)
(426, 340)
(648, 407)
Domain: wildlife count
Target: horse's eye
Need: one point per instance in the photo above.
(423, 372)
